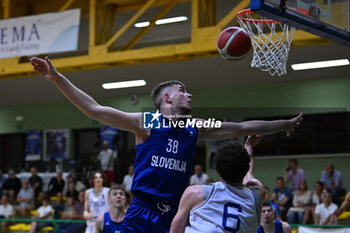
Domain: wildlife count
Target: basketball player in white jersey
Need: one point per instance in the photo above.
(96, 201)
(232, 205)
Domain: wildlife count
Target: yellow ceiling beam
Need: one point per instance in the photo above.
(66, 5)
(163, 12)
(130, 22)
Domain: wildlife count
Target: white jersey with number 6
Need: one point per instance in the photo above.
(227, 208)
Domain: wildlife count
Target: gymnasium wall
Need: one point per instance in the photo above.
(308, 95)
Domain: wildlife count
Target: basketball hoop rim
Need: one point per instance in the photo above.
(248, 11)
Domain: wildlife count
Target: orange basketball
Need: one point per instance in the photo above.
(233, 43)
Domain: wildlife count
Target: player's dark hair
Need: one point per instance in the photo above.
(267, 204)
(117, 187)
(159, 88)
(232, 162)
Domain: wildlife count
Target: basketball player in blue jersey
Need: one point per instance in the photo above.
(111, 221)
(269, 224)
(232, 205)
(164, 156)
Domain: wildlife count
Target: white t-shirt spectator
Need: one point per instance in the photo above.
(324, 212)
(199, 180)
(315, 198)
(6, 210)
(127, 181)
(43, 210)
(106, 158)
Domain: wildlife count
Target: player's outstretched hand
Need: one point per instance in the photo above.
(251, 142)
(294, 122)
(44, 67)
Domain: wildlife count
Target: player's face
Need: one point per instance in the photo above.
(182, 99)
(98, 179)
(117, 198)
(267, 214)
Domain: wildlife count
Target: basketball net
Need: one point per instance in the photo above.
(271, 42)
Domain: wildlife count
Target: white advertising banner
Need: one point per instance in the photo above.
(38, 34)
(314, 230)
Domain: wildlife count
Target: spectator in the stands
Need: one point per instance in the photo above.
(107, 158)
(59, 206)
(72, 192)
(333, 182)
(6, 211)
(25, 198)
(44, 212)
(199, 177)
(2, 180)
(294, 174)
(77, 213)
(301, 202)
(56, 185)
(324, 210)
(12, 186)
(36, 182)
(127, 181)
(317, 198)
(282, 195)
(68, 209)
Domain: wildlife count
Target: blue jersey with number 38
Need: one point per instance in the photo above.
(163, 165)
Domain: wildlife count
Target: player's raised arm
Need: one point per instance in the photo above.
(113, 117)
(232, 129)
(249, 178)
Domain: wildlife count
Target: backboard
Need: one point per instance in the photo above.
(326, 18)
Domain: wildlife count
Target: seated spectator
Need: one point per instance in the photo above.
(127, 181)
(324, 210)
(199, 177)
(333, 182)
(282, 195)
(317, 198)
(68, 209)
(294, 174)
(6, 211)
(301, 202)
(56, 185)
(268, 222)
(275, 208)
(2, 180)
(59, 206)
(77, 213)
(72, 192)
(12, 186)
(25, 198)
(36, 182)
(44, 212)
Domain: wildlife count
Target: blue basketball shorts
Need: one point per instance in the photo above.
(142, 217)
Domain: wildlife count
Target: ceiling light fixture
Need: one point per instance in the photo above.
(124, 84)
(320, 64)
(162, 21)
